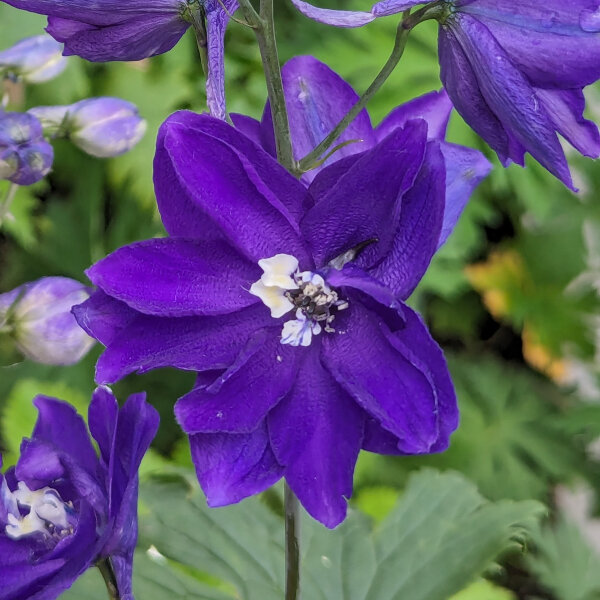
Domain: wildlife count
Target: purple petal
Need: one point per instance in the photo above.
(316, 433)
(206, 185)
(397, 394)
(435, 108)
(231, 467)
(173, 277)
(392, 7)
(465, 169)
(189, 343)
(21, 580)
(317, 99)
(337, 18)
(240, 399)
(418, 232)
(247, 125)
(365, 203)
(329, 176)
(102, 421)
(103, 317)
(378, 440)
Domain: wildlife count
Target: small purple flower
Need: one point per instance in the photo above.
(63, 508)
(25, 156)
(514, 70)
(37, 316)
(289, 302)
(35, 59)
(102, 127)
(108, 30)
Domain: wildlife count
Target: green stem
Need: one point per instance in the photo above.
(402, 33)
(110, 580)
(5, 204)
(264, 27)
(292, 545)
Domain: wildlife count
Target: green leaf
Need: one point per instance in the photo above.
(440, 536)
(484, 590)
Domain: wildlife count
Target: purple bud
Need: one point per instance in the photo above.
(35, 59)
(25, 156)
(37, 315)
(102, 127)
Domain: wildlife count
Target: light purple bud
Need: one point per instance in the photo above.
(25, 156)
(102, 127)
(38, 317)
(35, 59)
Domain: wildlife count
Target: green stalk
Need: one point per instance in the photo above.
(105, 567)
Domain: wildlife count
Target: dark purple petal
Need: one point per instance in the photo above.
(317, 99)
(435, 108)
(381, 379)
(171, 277)
(247, 125)
(206, 185)
(240, 399)
(465, 169)
(418, 230)
(103, 317)
(231, 467)
(378, 440)
(365, 203)
(102, 420)
(338, 18)
(23, 579)
(329, 176)
(189, 343)
(316, 433)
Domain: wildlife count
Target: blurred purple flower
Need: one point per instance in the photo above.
(318, 98)
(515, 71)
(35, 59)
(25, 156)
(288, 301)
(102, 127)
(38, 317)
(108, 30)
(63, 508)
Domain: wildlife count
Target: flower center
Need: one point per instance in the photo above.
(40, 511)
(283, 287)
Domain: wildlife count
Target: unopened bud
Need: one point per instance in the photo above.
(37, 316)
(35, 59)
(25, 156)
(102, 127)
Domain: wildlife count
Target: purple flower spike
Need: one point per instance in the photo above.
(287, 301)
(102, 127)
(38, 317)
(63, 508)
(107, 30)
(25, 156)
(515, 71)
(35, 59)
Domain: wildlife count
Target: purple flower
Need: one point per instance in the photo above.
(515, 71)
(63, 508)
(108, 30)
(35, 59)
(288, 301)
(102, 127)
(25, 156)
(37, 316)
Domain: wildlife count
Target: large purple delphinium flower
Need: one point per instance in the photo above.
(107, 30)
(63, 508)
(514, 69)
(288, 301)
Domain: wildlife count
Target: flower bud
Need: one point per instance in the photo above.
(35, 59)
(37, 316)
(102, 127)
(25, 156)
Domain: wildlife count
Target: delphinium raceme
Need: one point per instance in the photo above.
(64, 508)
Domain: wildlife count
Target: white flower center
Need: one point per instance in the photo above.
(47, 513)
(283, 288)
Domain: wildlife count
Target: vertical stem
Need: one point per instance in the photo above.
(110, 580)
(5, 204)
(292, 545)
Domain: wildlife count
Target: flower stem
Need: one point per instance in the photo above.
(402, 33)
(264, 27)
(110, 580)
(7, 201)
(292, 545)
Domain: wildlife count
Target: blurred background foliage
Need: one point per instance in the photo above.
(512, 297)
